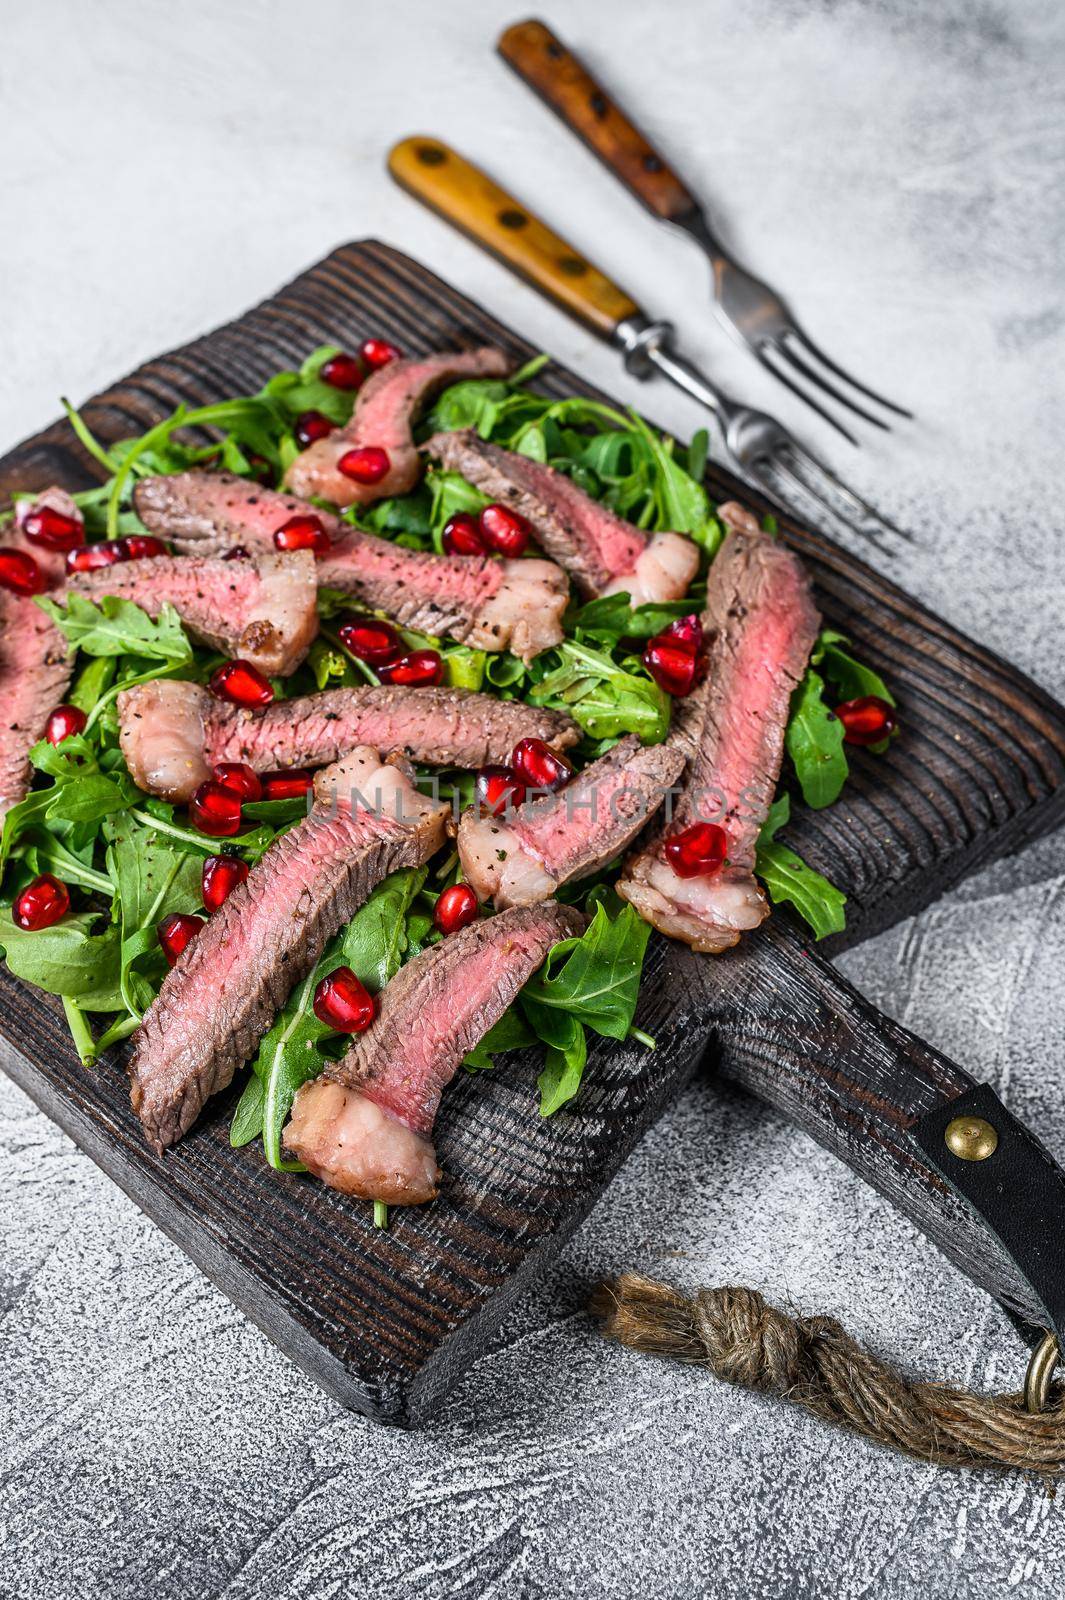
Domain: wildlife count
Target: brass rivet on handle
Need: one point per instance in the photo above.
(970, 1138)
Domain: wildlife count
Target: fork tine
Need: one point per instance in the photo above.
(826, 361)
(780, 465)
(803, 457)
(782, 377)
(822, 383)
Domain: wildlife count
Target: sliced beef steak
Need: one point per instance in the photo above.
(263, 610)
(385, 410)
(172, 733)
(603, 553)
(524, 858)
(215, 1004)
(490, 604)
(762, 624)
(366, 1126)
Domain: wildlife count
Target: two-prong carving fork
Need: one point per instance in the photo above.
(759, 445)
(751, 311)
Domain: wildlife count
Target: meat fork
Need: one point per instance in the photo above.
(750, 310)
(759, 445)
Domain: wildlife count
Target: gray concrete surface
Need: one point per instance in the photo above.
(898, 168)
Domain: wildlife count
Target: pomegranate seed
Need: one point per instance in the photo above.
(686, 631)
(241, 684)
(368, 463)
(867, 720)
(302, 533)
(64, 721)
(456, 908)
(698, 851)
(215, 810)
(343, 1003)
(237, 552)
(105, 553)
(378, 353)
(674, 667)
(342, 371)
(221, 874)
(310, 426)
(44, 902)
(141, 547)
(421, 667)
(54, 529)
(376, 643)
(291, 784)
(19, 572)
(499, 789)
(540, 767)
(504, 530)
(239, 779)
(462, 536)
(175, 932)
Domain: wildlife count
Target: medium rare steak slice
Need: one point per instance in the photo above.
(603, 553)
(215, 1004)
(569, 834)
(366, 1126)
(480, 601)
(263, 610)
(762, 625)
(172, 733)
(385, 410)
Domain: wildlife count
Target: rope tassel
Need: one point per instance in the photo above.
(815, 1363)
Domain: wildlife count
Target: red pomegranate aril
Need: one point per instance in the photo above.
(53, 529)
(499, 789)
(302, 533)
(215, 810)
(462, 536)
(421, 667)
(367, 463)
(44, 902)
(309, 427)
(504, 530)
(91, 557)
(686, 631)
(378, 353)
(64, 721)
(377, 643)
(343, 1003)
(675, 667)
(19, 572)
(241, 684)
(141, 547)
(540, 767)
(341, 372)
(456, 908)
(175, 932)
(698, 851)
(292, 784)
(868, 720)
(239, 779)
(220, 877)
(237, 552)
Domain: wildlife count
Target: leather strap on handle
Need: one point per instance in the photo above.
(470, 200)
(562, 80)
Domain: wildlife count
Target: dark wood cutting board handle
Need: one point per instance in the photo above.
(799, 1036)
(561, 79)
(473, 202)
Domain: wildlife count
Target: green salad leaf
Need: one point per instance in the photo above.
(788, 878)
(117, 627)
(814, 741)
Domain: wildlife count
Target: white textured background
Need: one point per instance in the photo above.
(897, 168)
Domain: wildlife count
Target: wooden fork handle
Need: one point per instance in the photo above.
(470, 200)
(563, 81)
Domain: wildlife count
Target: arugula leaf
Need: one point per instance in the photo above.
(851, 677)
(563, 1069)
(595, 979)
(509, 1033)
(151, 879)
(67, 959)
(788, 878)
(118, 627)
(611, 618)
(814, 741)
(605, 698)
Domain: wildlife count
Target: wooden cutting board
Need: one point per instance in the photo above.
(386, 1321)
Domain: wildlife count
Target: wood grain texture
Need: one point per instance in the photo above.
(385, 1321)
